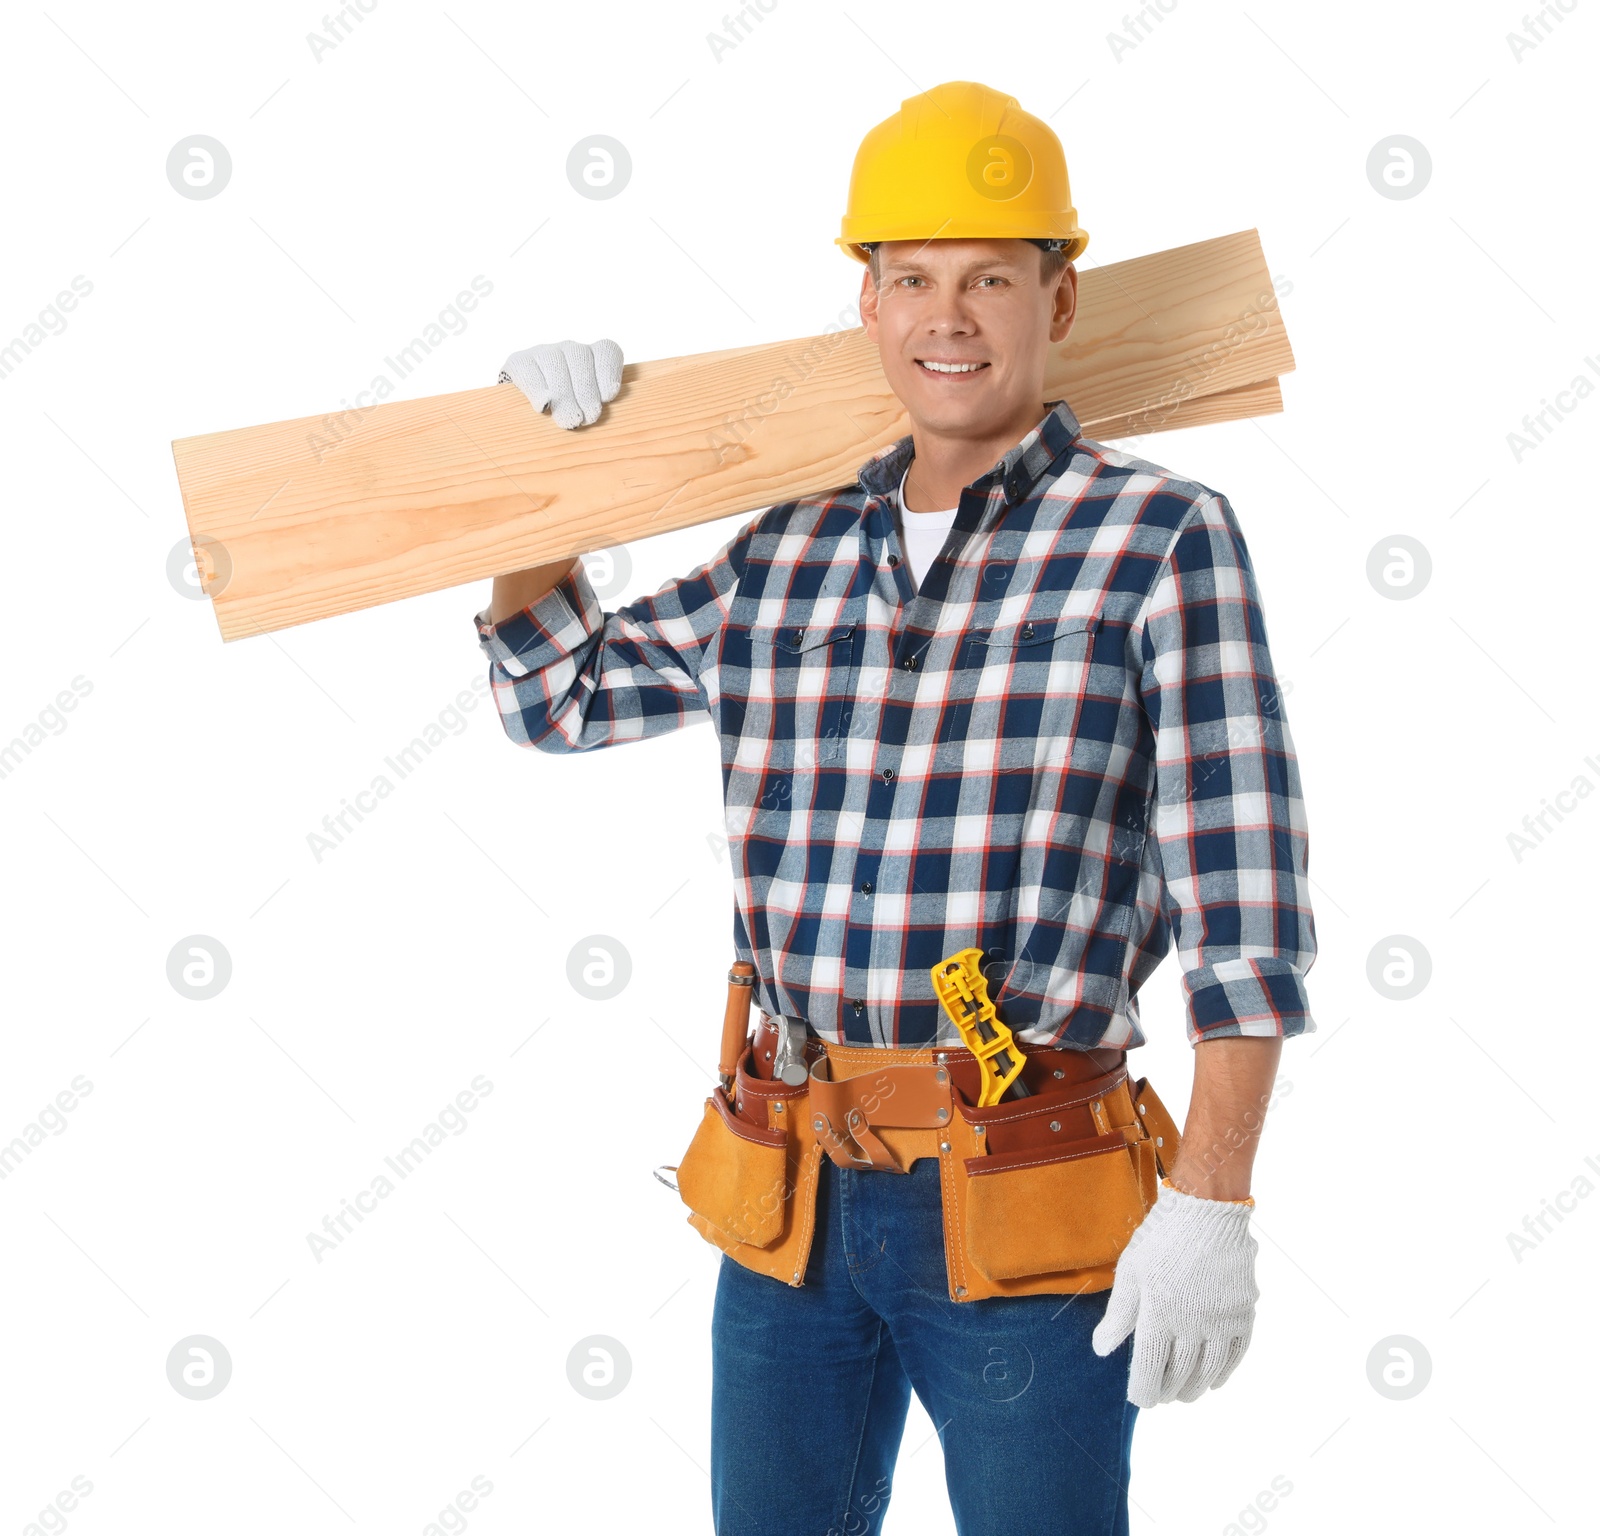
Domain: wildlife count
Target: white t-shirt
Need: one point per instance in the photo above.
(922, 533)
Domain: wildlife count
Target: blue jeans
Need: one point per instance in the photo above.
(810, 1384)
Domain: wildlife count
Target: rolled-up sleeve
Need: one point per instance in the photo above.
(569, 677)
(1229, 819)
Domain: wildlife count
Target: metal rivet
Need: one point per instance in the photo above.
(1141, 1109)
(1058, 1073)
(1055, 1125)
(941, 1057)
(978, 1130)
(1159, 1142)
(944, 1146)
(779, 1108)
(961, 1290)
(816, 1123)
(1097, 1107)
(944, 1114)
(941, 1075)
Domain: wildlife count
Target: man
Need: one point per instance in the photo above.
(1009, 691)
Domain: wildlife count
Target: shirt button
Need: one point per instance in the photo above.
(888, 775)
(894, 559)
(859, 1004)
(1027, 632)
(799, 635)
(910, 663)
(866, 887)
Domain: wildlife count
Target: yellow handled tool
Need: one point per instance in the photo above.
(960, 985)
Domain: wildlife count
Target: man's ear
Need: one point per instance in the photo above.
(1065, 309)
(869, 303)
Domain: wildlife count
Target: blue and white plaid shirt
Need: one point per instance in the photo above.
(1068, 748)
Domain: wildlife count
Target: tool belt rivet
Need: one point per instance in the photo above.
(944, 1146)
(944, 1114)
(1055, 1125)
(1059, 1073)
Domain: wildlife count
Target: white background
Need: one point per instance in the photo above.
(369, 988)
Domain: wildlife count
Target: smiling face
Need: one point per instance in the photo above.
(964, 328)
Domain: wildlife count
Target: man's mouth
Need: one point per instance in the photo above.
(952, 368)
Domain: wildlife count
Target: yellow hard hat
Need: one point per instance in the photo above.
(961, 161)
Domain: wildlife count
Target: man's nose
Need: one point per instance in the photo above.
(950, 317)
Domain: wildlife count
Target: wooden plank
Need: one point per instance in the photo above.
(1263, 399)
(298, 520)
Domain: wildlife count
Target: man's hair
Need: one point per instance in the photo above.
(1052, 258)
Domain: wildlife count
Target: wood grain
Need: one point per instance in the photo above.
(298, 520)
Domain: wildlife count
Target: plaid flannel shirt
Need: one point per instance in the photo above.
(1068, 748)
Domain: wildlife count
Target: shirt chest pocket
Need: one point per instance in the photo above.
(1032, 641)
(806, 676)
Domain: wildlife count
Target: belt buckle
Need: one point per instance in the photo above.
(853, 1142)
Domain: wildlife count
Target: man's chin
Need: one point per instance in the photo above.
(939, 410)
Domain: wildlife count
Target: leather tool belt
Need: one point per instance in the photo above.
(1040, 1194)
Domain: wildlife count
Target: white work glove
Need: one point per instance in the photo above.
(1185, 1288)
(574, 380)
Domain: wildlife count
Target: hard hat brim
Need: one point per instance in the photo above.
(1075, 241)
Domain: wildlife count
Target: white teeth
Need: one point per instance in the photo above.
(951, 367)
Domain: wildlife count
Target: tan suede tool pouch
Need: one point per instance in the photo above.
(749, 1176)
(1051, 1190)
(1040, 1194)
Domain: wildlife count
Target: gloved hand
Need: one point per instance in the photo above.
(573, 379)
(1185, 1288)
